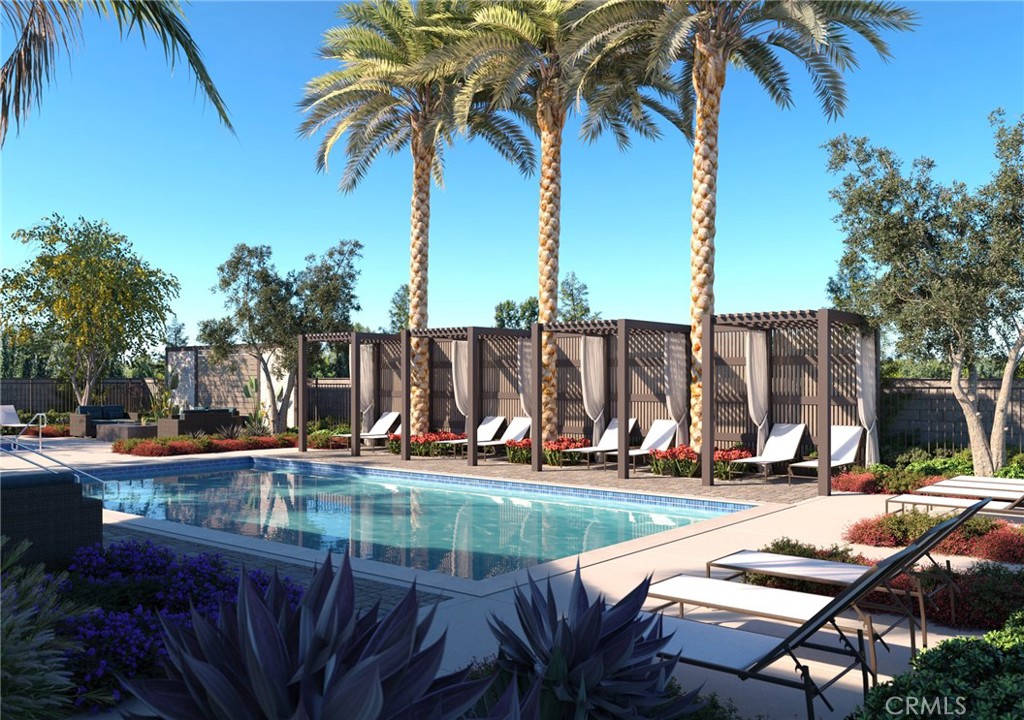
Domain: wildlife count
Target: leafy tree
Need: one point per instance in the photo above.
(521, 53)
(25, 356)
(398, 313)
(175, 336)
(574, 303)
(43, 28)
(88, 294)
(516, 316)
(378, 101)
(940, 264)
(705, 38)
(268, 310)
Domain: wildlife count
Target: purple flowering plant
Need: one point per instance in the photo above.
(131, 586)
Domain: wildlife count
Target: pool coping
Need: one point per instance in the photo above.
(446, 584)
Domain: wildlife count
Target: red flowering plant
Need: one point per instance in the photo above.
(519, 451)
(680, 461)
(559, 451)
(725, 458)
(425, 444)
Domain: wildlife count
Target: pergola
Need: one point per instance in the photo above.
(824, 324)
(621, 331)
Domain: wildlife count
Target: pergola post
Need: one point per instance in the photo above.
(474, 410)
(824, 402)
(707, 402)
(300, 397)
(536, 422)
(406, 392)
(622, 398)
(355, 369)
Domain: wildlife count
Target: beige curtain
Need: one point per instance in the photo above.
(526, 376)
(677, 379)
(867, 393)
(594, 371)
(367, 389)
(460, 375)
(758, 389)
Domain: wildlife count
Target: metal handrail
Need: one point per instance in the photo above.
(78, 473)
(16, 440)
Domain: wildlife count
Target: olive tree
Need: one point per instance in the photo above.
(88, 295)
(941, 264)
(267, 310)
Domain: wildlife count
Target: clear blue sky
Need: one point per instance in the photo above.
(121, 137)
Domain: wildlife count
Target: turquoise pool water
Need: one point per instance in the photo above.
(454, 526)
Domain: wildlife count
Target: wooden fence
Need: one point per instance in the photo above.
(37, 395)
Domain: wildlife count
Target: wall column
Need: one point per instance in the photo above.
(301, 400)
(824, 439)
(474, 414)
(355, 368)
(622, 397)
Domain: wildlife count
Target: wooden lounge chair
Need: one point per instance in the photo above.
(781, 446)
(380, 430)
(749, 655)
(515, 431)
(842, 452)
(487, 430)
(609, 441)
(658, 437)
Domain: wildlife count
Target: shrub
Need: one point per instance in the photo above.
(325, 440)
(184, 445)
(1004, 543)
(266, 659)
(962, 463)
(591, 661)
(858, 482)
(1013, 469)
(724, 459)
(559, 452)
(680, 461)
(974, 677)
(519, 451)
(897, 482)
(911, 455)
(981, 537)
(35, 681)
(425, 444)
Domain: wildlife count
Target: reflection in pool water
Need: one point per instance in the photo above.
(456, 529)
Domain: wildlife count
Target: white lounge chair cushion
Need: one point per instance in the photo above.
(948, 502)
(380, 428)
(1015, 495)
(726, 647)
(827, 571)
(516, 431)
(9, 417)
(485, 431)
(609, 438)
(787, 605)
(781, 445)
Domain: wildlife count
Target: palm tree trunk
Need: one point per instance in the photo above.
(551, 119)
(419, 244)
(708, 82)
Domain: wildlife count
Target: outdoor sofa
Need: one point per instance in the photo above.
(207, 420)
(84, 420)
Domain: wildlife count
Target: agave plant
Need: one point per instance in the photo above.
(594, 661)
(231, 431)
(264, 658)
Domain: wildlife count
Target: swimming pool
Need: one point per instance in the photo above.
(465, 527)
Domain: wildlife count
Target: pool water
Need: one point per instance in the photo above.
(455, 529)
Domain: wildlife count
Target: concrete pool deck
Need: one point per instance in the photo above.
(794, 511)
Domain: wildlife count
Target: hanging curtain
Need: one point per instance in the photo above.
(867, 393)
(460, 375)
(594, 371)
(758, 389)
(367, 389)
(526, 378)
(677, 380)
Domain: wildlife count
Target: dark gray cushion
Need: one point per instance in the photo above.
(93, 411)
(113, 412)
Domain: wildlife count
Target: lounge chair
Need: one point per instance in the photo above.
(843, 449)
(933, 502)
(609, 441)
(659, 437)
(749, 655)
(485, 432)
(380, 430)
(781, 446)
(515, 431)
(9, 419)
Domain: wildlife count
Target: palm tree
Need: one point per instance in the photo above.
(704, 37)
(520, 55)
(44, 27)
(377, 101)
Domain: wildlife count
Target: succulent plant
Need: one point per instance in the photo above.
(593, 661)
(264, 659)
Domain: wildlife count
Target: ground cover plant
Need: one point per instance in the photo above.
(426, 444)
(683, 461)
(980, 537)
(967, 677)
(199, 444)
(982, 596)
(559, 451)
